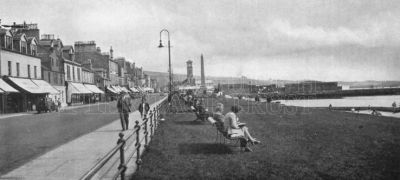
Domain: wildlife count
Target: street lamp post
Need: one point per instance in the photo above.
(169, 58)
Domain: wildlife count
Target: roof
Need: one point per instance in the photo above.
(45, 68)
(18, 36)
(67, 48)
(86, 69)
(71, 62)
(47, 42)
(3, 31)
(30, 39)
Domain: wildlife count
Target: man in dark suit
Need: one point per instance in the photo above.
(124, 107)
(143, 107)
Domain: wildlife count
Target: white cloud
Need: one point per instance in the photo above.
(318, 36)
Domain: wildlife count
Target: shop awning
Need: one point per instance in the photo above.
(140, 89)
(133, 89)
(81, 88)
(93, 88)
(45, 86)
(148, 89)
(117, 89)
(72, 89)
(124, 89)
(109, 88)
(4, 87)
(27, 85)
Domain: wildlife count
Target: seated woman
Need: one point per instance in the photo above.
(242, 134)
(237, 128)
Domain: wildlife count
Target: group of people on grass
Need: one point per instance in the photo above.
(230, 126)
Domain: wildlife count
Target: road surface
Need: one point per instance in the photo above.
(23, 138)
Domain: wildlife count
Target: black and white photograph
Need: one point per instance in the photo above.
(199, 89)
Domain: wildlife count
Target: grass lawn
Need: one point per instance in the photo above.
(297, 143)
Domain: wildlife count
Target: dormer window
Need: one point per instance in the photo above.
(33, 50)
(24, 48)
(9, 42)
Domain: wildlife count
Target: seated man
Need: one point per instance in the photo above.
(201, 112)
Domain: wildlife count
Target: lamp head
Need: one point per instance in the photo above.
(160, 46)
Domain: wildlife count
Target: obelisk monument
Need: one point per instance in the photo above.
(203, 77)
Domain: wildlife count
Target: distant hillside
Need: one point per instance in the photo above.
(162, 78)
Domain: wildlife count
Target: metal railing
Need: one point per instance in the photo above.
(149, 125)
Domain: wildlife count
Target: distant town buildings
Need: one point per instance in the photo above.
(309, 87)
(38, 66)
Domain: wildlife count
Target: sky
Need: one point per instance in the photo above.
(329, 40)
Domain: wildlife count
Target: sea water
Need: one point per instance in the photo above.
(356, 101)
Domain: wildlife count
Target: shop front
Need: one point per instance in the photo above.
(111, 93)
(29, 96)
(77, 93)
(53, 95)
(96, 92)
(8, 97)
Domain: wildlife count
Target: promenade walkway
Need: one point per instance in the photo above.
(75, 158)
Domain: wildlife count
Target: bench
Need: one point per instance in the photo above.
(222, 135)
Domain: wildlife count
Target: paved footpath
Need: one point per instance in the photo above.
(75, 158)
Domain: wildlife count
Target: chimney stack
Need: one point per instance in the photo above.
(111, 53)
(203, 80)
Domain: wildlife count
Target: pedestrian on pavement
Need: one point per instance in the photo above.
(58, 104)
(394, 106)
(124, 107)
(143, 107)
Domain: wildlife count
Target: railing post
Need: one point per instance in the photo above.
(146, 133)
(155, 117)
(122, 164)
(154, 112)
(137, 144)
(151, 124)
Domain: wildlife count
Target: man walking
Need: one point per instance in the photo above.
(124, 107)
(143, 107)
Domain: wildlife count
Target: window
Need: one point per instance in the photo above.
(2, 41)
(52, 62)
(49, 76)
(55, 78)
(61, 79)
(73, 73)
(17, 69)
(33, 50)
(29, 71)
(9, 68)
(23, 47)
(68, 73)
(8, 42)
(34, 71)
(79, 73)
